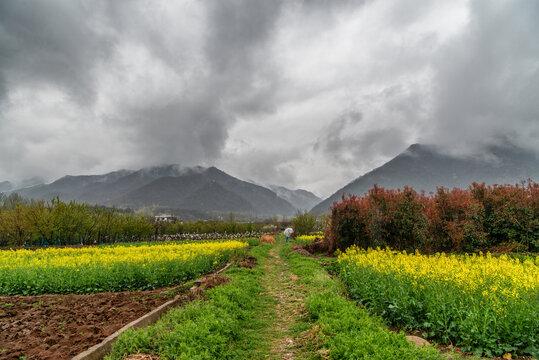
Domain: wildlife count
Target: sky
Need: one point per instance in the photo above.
(306, 94)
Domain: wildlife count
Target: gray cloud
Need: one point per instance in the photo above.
(335, 141)
(487, 79)
(343, 144)
(56, 42)
(268, 167)
(307, 94)
(161, 95)
(238, 30)
(236, 48)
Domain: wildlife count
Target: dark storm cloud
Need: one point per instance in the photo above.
(193, 127)
(220, 66)
(54, 42)
(236, 48)
(238, 29)
(488, 79)
(179, 131)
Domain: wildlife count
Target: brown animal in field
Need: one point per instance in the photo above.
(267, 239)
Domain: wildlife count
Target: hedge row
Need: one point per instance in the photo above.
(482, 217)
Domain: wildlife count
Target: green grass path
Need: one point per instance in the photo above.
(287, 307)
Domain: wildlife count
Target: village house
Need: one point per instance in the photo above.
(165, 218)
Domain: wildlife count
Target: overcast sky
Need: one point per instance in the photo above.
(306, 94)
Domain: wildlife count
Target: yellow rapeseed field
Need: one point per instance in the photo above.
(483, 303)
(491, 275)
(109, 268)
(107, 257)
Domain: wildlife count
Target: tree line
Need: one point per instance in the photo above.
(26, 222)
(55, 222)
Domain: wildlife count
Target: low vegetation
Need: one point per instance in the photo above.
(304, 223)
(487, 305)
(109, 268)
(306, 239)
(337, 328)
(478, 218)
(239, 319)
(226, 326)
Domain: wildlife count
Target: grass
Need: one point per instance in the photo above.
(223, 327)
(337, 328)
(250, 318)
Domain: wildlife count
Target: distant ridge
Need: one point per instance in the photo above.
(8, 186)
(198, 190)
(5, 186)
(302, 200)
(424, 168)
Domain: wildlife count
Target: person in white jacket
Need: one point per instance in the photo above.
(287, 232)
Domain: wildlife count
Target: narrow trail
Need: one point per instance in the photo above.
(280, 284)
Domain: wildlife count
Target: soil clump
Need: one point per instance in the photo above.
(142, 357)
(247, 262)
(300, 249)
(213, 281)
(318, 246)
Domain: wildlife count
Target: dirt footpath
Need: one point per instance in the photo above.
(280, 284)
(62, 326)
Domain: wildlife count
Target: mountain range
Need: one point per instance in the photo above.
(424, 167)
(200, 190)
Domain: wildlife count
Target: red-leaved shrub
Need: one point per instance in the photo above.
(478, 218)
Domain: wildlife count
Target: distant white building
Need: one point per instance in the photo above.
(165, 218)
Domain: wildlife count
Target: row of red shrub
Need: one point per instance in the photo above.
(479, 218)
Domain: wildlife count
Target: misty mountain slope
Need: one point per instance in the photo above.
(5, 186)
(207, 190)
(108, 192)
(264, 200)
(300, 199)
(67, 188)
(71, 187)
(33, 181)
(171, 186)
(214, 197)
(102, 188)
(165, 191)
(194, 191)
(423, 168)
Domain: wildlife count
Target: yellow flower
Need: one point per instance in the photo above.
(496, 278)
(109, 256)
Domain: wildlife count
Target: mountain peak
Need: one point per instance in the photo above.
(426, 167)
